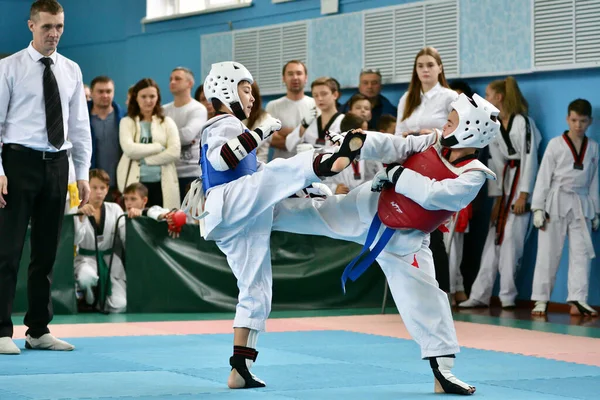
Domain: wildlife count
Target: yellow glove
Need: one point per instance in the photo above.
(73, 195)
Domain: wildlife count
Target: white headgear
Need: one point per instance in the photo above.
(477, 123)
(222, 83)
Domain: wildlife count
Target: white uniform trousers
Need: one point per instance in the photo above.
(550, 247)
(424, 308)
(240, 221)
(86, 275)
(503, 258)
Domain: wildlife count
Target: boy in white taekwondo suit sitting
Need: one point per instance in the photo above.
(566, 201)
(240, 196)
(429, 178)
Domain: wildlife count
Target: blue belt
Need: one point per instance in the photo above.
(355, 269)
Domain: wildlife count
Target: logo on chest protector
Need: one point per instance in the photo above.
(396, 207)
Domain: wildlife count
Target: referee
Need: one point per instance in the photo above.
(42, 102)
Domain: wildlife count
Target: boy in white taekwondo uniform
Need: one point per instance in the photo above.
(317, 122)
(438, 174)
(566, 201)
(94, 234)
(240, 196)
(514, 158)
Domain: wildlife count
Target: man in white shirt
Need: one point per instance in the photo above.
(189, 116)
(291, 109)
(42, 102)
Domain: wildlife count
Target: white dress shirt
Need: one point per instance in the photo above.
(290, 113)
(432, 113)
(23, 110)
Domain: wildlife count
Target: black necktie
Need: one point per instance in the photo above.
(54, 118)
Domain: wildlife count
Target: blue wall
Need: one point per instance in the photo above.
(14, 34)
(106, 37)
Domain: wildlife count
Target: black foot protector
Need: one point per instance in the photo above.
(325, 164)
(584, 308)
(238, 362)
(445, 382)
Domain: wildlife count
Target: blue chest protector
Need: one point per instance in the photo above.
(211, 177)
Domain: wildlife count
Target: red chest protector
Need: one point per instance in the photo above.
(399, 212)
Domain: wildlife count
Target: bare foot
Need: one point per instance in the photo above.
(340, 164)
(235, 380)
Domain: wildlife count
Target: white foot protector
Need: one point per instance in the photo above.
(472, 303)
(445, 382)
(540, 308)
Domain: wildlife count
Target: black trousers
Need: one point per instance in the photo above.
(440, 260)
(155, 197)
(37, 191)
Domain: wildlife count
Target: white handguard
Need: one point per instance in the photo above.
(322, 188)
(387, 175)
(336, 137)
(317, 189)
(309, 116)
(302, 147)
(596, 223)
(268, 127)
(539, 219)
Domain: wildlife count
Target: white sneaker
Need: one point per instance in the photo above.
(472, 303)
(47, 342)
(7, 346)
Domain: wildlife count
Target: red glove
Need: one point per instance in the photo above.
(175, 221)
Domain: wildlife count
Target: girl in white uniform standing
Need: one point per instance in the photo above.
(94, 234)
(566, 201)
(514, 159)
(320, 120)
(240, 196)
(417, 200)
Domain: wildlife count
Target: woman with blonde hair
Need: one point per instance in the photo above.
(151, 146)
(423, 108)
(514, 159)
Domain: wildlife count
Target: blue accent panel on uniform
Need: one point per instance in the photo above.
(211, 177)
(495, 36)
(215, 48)
(336, 44)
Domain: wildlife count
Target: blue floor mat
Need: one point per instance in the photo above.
(296, 365)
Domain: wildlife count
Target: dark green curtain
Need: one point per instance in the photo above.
(191, 275)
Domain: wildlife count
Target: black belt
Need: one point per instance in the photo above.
(513, 163)
(44, 155)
